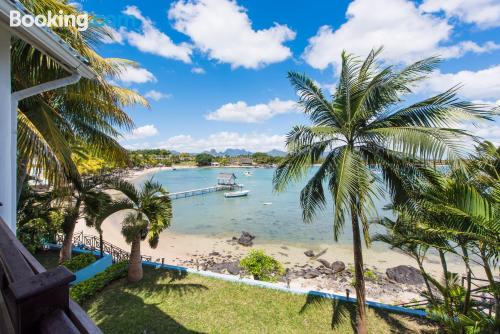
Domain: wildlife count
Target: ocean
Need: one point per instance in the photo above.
(272, 217)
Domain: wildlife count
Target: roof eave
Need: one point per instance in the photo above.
(46, 41)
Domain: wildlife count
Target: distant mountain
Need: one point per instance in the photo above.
(276, 153)
(234, 152)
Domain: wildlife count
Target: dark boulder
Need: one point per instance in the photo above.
(324, 262)
(231, 267)
(311, 273)
(309, 253)
(338, 266)
(246, 239)
(405, 274)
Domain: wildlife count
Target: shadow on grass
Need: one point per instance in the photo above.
(154, 284)
(341, 311)
(130, 320)
(131, 314)
(398, 326)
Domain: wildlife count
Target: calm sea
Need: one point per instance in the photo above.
(272, 217)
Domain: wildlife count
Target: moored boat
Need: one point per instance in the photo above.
(239, 193)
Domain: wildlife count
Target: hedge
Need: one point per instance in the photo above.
(85, 290)
(79, 262)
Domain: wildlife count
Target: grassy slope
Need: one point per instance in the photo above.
(168, 303)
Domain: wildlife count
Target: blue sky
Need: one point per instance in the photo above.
(215, 71)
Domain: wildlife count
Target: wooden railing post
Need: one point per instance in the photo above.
(36, 297)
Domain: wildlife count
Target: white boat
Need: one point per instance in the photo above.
(239, 193)
(247, 173)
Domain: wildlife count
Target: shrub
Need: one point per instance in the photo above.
(79, 262)
(34, 233)
(263, 267)
(85, 290)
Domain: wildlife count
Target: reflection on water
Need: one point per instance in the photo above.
(273, 217)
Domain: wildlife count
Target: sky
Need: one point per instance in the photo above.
(215, 71)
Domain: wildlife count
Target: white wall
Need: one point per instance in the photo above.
(7, 164)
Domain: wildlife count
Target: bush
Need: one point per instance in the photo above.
(79, 262)
(263, 267)
(34, 233)
(85, 290)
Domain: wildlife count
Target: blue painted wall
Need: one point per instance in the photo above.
(93, 269)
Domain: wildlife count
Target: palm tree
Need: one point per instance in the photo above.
(100, 207)
(81, 201)
(363, 127)
(89, 111)
(150, 213)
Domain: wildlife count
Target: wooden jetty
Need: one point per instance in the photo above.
(202, 191)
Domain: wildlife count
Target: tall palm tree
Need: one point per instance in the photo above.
(150, 212)
(90, 111)
(362, 127)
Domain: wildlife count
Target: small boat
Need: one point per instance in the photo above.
(247, 173)
(239, 193)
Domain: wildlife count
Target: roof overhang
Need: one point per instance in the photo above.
(45, 40)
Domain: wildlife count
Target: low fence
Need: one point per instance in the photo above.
(93, 243)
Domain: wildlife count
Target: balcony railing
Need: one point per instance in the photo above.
(33, 299)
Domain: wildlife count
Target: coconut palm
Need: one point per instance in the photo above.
(150, 213)
(448, 211)
(89, 111)
(361, 127)
(98, 209)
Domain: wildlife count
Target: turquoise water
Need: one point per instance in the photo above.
(214, 215)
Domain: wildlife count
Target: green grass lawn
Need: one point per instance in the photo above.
(165, 302)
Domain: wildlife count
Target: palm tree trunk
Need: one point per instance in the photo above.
(22, 172)
(67, 246)
(135, 263)
(359, 273)
(491, 279)
(426, 281)
(69, 229)
(101, 249)
(446, 282)
(469, 280)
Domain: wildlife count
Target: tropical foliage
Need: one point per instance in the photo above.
(365, 127)
(454, 213)
(90, 111)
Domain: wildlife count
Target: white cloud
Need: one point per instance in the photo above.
(242, 112)
(115, 36)
(406, 33)
(132, 74)
(223, 30)
(254, 142)
(197, 70)
(483, 13)
(486, 130)
(142, 132)
(156, 96)
(153, 41)
(476, 85)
